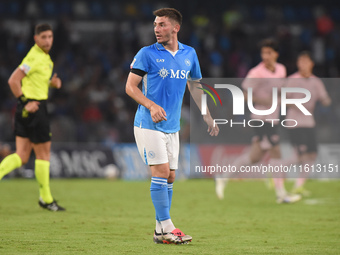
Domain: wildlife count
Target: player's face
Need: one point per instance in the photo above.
(44, 40)
(269, 56)
(305, 64)
(164, 29)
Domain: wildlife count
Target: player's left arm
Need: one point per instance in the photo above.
(322, 93)
(55, 81)
(193, 83)
(196, 94)
(325, 99)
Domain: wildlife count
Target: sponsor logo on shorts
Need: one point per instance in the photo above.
(151, 154)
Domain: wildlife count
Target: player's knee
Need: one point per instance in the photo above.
(172, 177)
(24, 157)
(42, 154)
(162, 171)
(43, 157)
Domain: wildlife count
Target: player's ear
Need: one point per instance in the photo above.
(177, 28)
(311, 62)
(35, 38)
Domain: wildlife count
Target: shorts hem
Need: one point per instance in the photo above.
(156, 163)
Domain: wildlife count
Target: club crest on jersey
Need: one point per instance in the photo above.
(187, 62)
(163, 73)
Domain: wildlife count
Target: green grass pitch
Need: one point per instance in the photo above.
(117, 217)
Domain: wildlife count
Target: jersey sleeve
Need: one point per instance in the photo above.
(195, 72)
(249, 82)
(141, 61)
(252, 73)
(28, 64)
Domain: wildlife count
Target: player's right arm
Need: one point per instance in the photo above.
(14, 82)
(157, 112)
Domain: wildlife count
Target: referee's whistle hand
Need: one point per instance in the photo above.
(157, 113)
(55, 81)
(32, 106)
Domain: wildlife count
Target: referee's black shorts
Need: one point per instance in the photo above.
(35, 126)
(303, 139)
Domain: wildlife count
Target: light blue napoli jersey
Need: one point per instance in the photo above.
(164, 83)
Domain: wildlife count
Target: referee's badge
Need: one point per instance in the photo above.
(187, 62)
(26, 68)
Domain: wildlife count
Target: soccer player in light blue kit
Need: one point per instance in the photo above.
(164, 69)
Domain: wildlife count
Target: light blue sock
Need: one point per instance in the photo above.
(170, 191)
(159, 197)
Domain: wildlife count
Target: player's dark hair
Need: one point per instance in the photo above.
(42, 28)
(306, 53)
(270, 43)
(171, 13)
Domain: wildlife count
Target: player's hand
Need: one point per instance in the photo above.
(212, 130)
(55, 81)
(32, 106)
(157, 113)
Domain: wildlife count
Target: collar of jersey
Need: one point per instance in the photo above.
(39, 49)
(161, 47)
